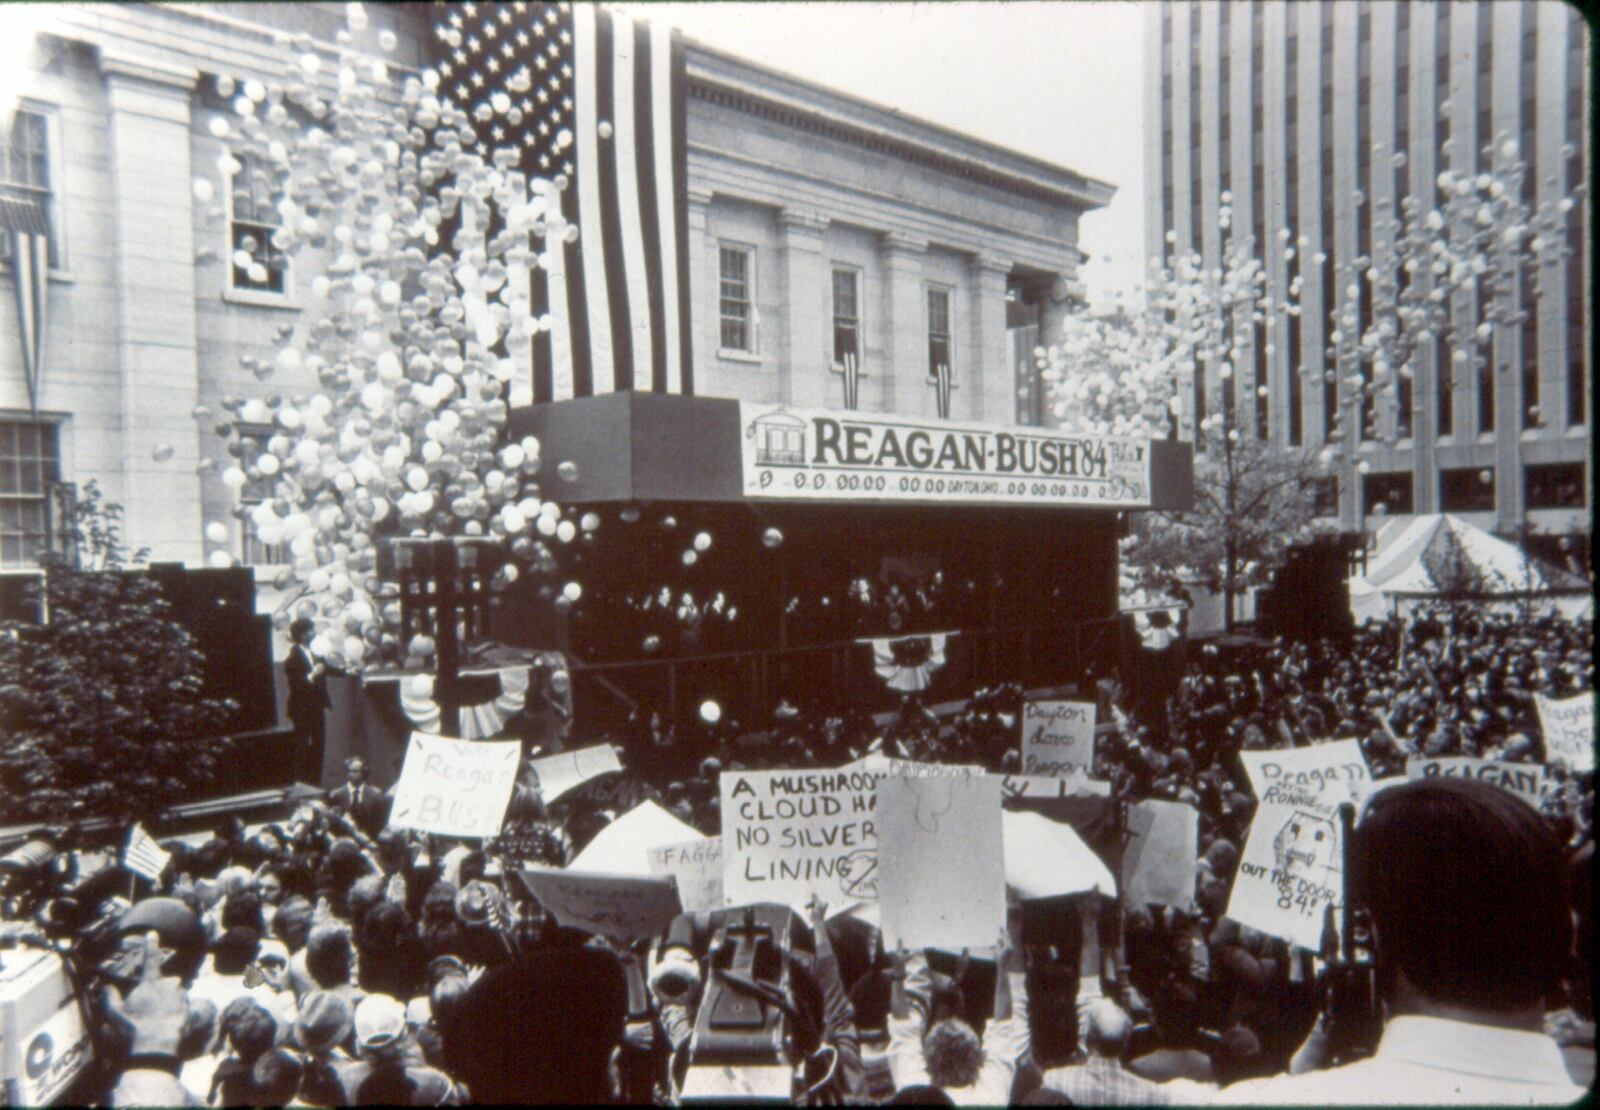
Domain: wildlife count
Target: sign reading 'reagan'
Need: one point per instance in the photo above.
(803, 453)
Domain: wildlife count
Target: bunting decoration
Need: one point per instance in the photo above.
(28, 230)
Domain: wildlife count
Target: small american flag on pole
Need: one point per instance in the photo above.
(941, 383)
(143, 856)
(594, 100)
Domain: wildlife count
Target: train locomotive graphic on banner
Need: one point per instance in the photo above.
(834, 456)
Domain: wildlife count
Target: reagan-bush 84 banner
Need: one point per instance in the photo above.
(803, 453)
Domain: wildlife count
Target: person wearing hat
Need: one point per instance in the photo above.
(388, 1057)
(322, 1031)
(483, 913)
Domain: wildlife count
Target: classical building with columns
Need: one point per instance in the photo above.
(820, 226)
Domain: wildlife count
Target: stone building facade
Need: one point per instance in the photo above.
(817, 221)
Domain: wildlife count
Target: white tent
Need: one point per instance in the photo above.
(1428, 559)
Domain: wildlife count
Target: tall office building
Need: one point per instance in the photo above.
(1299, 110)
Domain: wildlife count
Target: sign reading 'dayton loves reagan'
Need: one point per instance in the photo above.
(837, 456)
(1569, 729)
(455, 787)
(1057, 738)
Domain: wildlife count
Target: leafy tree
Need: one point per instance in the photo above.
(101, 712)
(1128, 373)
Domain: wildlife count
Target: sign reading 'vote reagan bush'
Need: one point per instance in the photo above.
(811, 454)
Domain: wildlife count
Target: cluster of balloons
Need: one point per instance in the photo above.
(393, 418)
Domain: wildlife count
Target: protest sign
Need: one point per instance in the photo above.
(1158, 864)
(1569, 729)
(1042, 786)
(1045, 858)
(938, 840)
(1292, 865)
(566, 771)
(696, 865)
(623, 846)
(455, 787)
(1057, 738)
(890, 766)
(1338, 762)
(787, 835)
(621, 907)
(1525, 780)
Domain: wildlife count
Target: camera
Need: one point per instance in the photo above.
(746, 1036)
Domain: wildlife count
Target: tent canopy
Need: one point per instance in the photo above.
(1442, 557)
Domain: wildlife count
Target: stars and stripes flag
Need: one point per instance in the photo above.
(942, 383)
(143, 856)
(852, 381)
(593, 98)
(28, 229)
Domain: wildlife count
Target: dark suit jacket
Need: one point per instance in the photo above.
(371, 814)
(307, 696)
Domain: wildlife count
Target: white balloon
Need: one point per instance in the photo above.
(572, 591)
(217, 532)
(233, 478)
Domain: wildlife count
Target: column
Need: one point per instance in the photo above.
(987, 377)
(704, 282)
(1056, 303)
(804, 377)
(154, 288)
(904, 378)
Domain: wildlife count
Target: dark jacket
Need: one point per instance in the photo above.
(307, 695)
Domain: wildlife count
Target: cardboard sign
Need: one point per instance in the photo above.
(1569, 729)
(623, 847)
(566, 771)
(1525, 780)
(1045, 858)
(1158, 864)
(455, 787)
(787, 835)
(616, 906)
(1058, 738)
(1335, 763)
(1292, 865)
(1039, 786)
(889, 766)
(696, 866)
(938, 840)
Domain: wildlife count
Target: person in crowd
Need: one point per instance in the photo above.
(972, 1070)
(322, 1032)
(389, 1061)
(250, 1032)
(366, 805)
(1467, 892)
(1101, 1080)
(308, 699)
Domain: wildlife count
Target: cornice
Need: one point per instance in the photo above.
(1079, 192)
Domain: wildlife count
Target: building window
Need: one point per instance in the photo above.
(1467, 490)
(737, 266)
(938, 330)
(30, 464)
(1445, 382)
(25, 173)
(1391, 491)
(1325, 496)
(253, 552)
(1555, 486)
(846, 314)
(257, 265)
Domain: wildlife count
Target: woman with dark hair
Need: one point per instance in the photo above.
(391, 956)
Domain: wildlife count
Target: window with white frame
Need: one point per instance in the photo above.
(30, 465)
(27, 173)
(939, 346)
(255, 265)
(256, 490)
(846, 314)
(737, 266)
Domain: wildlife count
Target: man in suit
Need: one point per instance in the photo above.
(367, 806)
(308, 700)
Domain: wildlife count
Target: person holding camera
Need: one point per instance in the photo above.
(1467, 890)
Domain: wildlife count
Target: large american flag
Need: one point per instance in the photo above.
(598, 97)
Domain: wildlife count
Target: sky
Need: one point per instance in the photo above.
(1055, 79)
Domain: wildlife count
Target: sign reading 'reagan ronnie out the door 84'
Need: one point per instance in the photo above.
(835, 456)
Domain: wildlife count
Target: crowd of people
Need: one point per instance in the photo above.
(328, 960)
